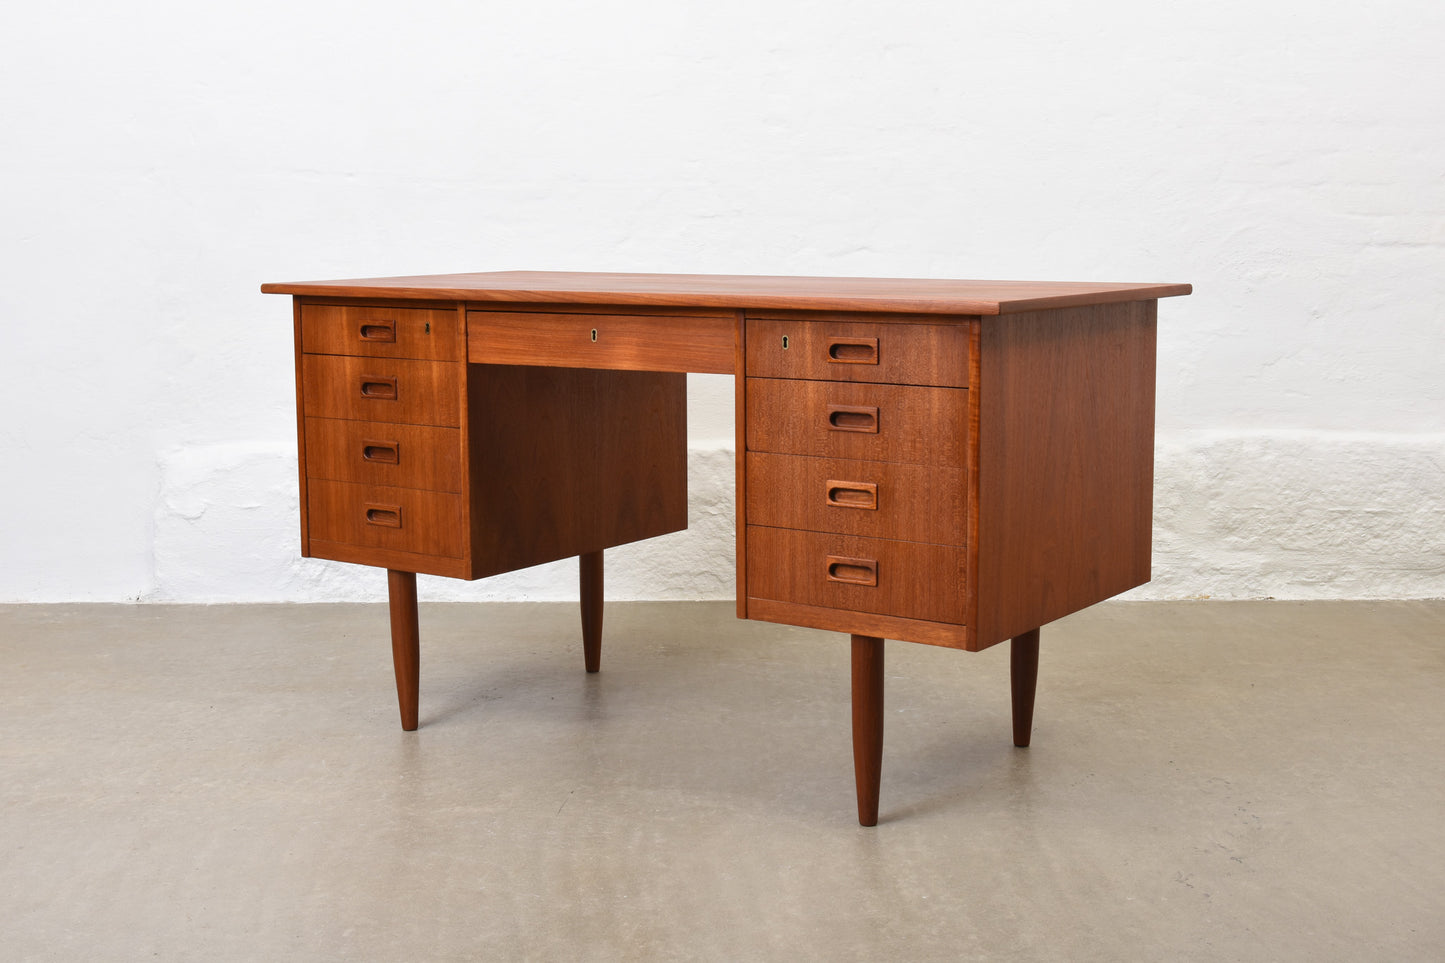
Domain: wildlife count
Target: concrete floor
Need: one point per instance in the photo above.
(1208, 781)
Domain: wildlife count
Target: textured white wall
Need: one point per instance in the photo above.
(159, 160)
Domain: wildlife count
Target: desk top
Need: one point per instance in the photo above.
(738, 291)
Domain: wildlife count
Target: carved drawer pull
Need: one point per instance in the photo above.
(847, 494)
(381, 452)
(853, 571)
(378, 389)
(384, 516)
(853, 418)
(379, 332)
(853, 351)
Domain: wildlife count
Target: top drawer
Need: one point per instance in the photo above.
(380, 332)
(883, 352)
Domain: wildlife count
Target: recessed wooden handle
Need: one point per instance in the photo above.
(853, 351)
(384, 516)
(853, 418)
(847, 494)
(381, 452)
(379, 389)
(379, 332)
(853, 571)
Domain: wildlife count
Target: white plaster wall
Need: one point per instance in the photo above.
(159, 160)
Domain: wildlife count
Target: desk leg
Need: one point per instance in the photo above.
(405, 642)
(1023, 678)
(867, 724)
(590, 580)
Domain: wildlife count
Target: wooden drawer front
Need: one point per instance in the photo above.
(900, 354)
(373, 516)
(377, 453)
(381, 389)
(910, 580)
(378, 332)
(915, 503)
(920, 426)
(633, 342)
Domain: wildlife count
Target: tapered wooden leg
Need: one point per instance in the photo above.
(590, 579)
(1023, 678)
(405, 643)
(867, 724)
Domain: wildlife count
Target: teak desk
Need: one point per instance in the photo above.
(949, 462)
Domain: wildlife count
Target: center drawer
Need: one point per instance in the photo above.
(916, 503)
(894, 423)
(630, 342)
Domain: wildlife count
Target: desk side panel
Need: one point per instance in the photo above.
(740, 434)
(300, 426)
(1066, 462)
(565, 461)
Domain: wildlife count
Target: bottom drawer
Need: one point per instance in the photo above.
(400, 519)
(910, 580)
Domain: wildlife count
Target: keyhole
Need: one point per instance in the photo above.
(785, 342)
(428, 327)
(594, 334)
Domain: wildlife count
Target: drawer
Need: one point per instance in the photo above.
(910, 580)
(382, 389)
(916, 503)
(377, 453)
(894, 423)
(631, 342)
(379, 332)
(373, 516)
(889, 353)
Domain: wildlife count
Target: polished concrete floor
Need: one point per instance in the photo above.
(1208, 781)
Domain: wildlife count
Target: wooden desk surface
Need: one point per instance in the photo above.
(922, 296)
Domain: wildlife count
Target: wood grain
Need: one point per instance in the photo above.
(405, 644)
(392, 558)
(867, 725)
(627, 342)
(950, 635)
(415, 332)
(1023, 682)
(354, 451)
(426, 391)
(915, 580)
(920, 426)
(907, 354)
(740, 495)
(924, 296)
(566, 461)
(589, 579)
(915, 503)
(1065, 463)
(300, 426)
(429, 522)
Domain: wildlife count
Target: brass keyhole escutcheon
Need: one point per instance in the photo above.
(785, 342)
(594, 334)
